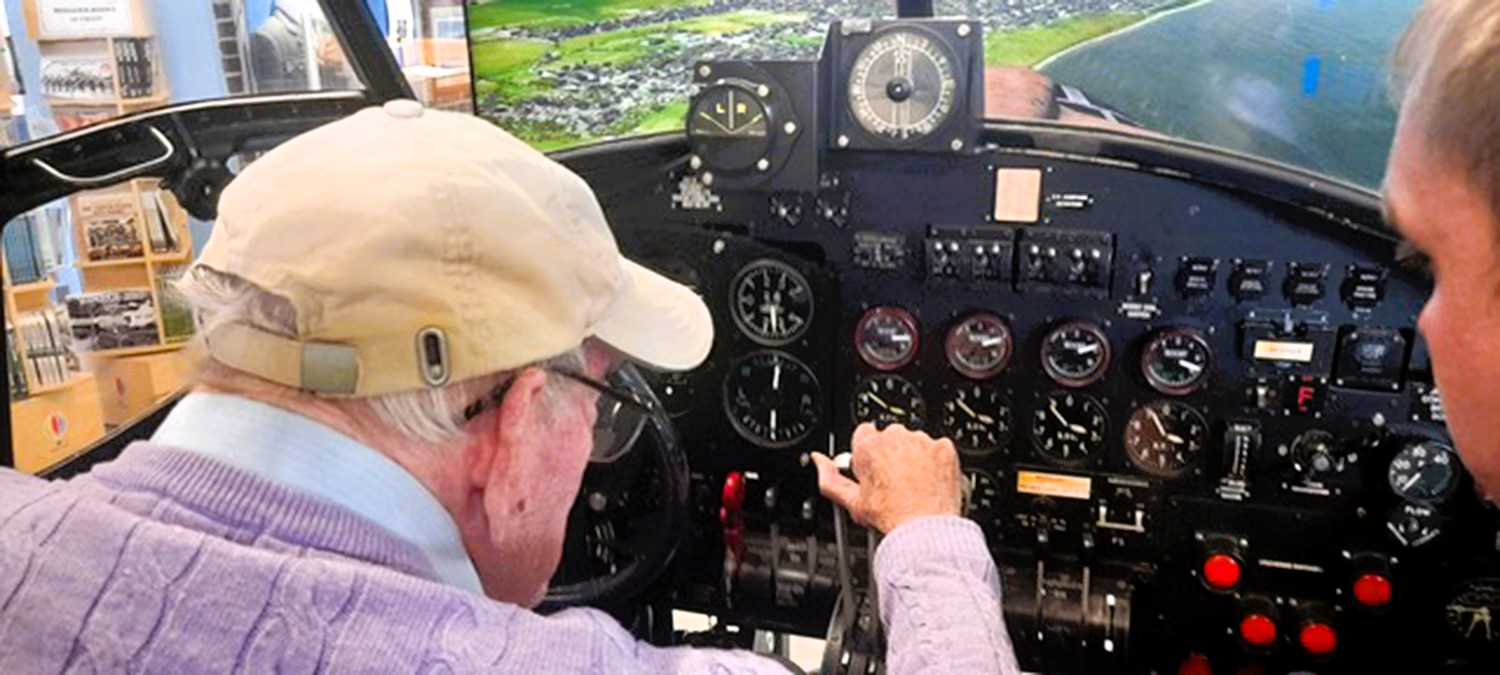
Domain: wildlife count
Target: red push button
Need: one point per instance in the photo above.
(1372, 590)
(1195, 664)
(1221, 571)
(1258, 630)
(1318, 639)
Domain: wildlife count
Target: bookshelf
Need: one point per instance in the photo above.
(98, 59)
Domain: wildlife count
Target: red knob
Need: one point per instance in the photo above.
(1221, 571)
(1318, 639)
(1372, 590)
(1258, 630)
(1195, 664)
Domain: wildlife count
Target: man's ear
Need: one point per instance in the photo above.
(491, 432)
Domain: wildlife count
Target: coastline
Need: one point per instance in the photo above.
(1143, 22)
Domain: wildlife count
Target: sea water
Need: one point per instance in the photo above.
(1298, 81)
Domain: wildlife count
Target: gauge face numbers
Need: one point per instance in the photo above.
(1414, 525)
(887, 400)
(902, 86)
(730, 127)
(1177, 362)
(1076, 354)
(1425, 473)
(886, 338)
(977, 418)
(981, 496)
(1068, 428)
(772, 303)
(979, 347)
(1165, 438)
(772, 399)
(1473, 613)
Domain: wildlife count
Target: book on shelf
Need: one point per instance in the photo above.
(176, 319)
(113, 320)
(14, 370)
(133, 62)
(33, 244)
(46, 339)
(110, 229)
(158, 223)
(128, 73)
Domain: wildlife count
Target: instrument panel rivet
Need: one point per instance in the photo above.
(957, 144)
(705, 71)
(763, 91)
(790, 128)
(763, 165)
(695, 162)
(718, 246)
(964, 30)
(843, 141)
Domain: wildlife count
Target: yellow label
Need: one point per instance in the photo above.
(1053, 485)
(1270, 350)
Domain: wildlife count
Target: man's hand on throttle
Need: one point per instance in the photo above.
(902, 474)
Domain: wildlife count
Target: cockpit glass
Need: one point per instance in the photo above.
(1301, 82)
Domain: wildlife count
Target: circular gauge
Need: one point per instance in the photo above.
(772, 399)
(902, 86)
(1076, 354)
(887, 400)
(1414, 524)
(981, 496)
(675, 390)
(978, 419)
(979, 347)
(1068, 427)
(886, 338)
(1425, 473)
(1177, 362)
(730, 127)
(1165, 438)
(771, 302)
(1473, 609)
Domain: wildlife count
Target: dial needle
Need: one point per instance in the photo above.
(776, 378)
(773, 420)
(982, 418)
(1087, 349)
(1075, 428)
(887, 406)
(1413, 481)
(1172, 438)
(1190, 366)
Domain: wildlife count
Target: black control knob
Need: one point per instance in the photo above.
(1317, 454)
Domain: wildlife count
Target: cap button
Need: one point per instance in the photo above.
(405, 109)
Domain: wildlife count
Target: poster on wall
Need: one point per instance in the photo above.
(84, 18)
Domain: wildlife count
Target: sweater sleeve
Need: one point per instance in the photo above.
(940, 600)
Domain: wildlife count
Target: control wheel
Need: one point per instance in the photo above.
(627, 522)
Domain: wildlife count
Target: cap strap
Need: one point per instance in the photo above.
(318, 367)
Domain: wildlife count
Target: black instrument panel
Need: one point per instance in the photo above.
(1230, 377)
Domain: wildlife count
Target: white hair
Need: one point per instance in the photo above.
(432, 416)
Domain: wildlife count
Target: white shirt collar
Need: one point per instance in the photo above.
(296, 452)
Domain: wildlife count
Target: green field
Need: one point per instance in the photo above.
(1030, 46)
(633, 44)
(553, 14)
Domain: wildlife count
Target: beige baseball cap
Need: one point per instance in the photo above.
(421, 247)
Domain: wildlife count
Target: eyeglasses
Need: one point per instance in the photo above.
(621, 415)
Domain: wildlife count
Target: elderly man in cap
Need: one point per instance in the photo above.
(400, 394)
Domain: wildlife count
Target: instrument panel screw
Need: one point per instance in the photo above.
(957, 144)
(964, 30)
(763, 91)
(763, 165)
(695, 162)
(705, 71)
(790, 128)
(843, 141)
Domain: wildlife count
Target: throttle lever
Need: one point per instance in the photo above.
(844, 462)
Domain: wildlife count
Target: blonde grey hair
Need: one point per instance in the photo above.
(432, 416)
(1446, 76)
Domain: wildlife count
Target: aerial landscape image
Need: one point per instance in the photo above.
(1298, 81)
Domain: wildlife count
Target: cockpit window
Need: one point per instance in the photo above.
(1301, 82)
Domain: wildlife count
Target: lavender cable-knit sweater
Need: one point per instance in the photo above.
(168, 561)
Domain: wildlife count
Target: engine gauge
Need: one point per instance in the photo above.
(675, 390)
(1414, 524)
(1069, 428)
(887, 400)
(1472, 611)
(981, 497)
(1076, 354)
(978, 419)
(772, 399)
(1425, 473)
(1165, 438)
(979, 347)
(1177, 362)
(730, 127)
(886, 338)
(771, 302)
(902, 87)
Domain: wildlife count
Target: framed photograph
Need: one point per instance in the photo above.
(110, 227)
(113, 320)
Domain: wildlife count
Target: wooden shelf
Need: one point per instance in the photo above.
(121, 262)
(73, 381)
(131, 351)
(64, 102)
(44, 286)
